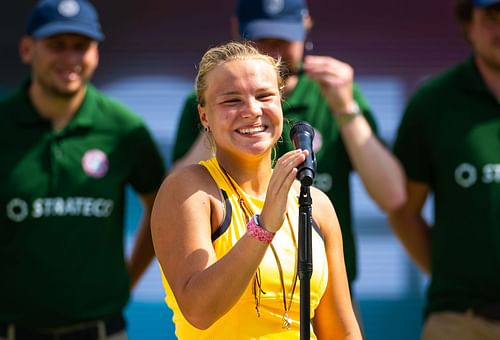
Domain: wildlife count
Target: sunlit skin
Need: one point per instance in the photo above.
(483, 32)
(243, 109)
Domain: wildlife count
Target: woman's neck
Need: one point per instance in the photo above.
(252, 176)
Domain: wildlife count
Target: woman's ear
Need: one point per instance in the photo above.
(203, 116)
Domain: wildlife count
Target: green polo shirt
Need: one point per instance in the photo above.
(304, 103)
(449, 138)
(62, 197)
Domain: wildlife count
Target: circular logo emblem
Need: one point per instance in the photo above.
(465, 175)
(68, 8)
(273, 7)
(323, 182)
(17, 210)
(95, 163)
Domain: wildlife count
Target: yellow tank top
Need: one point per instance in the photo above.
(242, 321)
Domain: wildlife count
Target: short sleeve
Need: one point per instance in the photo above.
(188, 128)
(411, 142)
(148, 167)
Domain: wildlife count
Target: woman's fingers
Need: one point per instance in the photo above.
(285, 171)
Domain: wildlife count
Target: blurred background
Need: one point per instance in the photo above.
(148, 62)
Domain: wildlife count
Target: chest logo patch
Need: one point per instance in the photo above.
(317, 141)
(95, 163)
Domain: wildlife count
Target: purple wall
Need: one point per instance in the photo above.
(404, 39)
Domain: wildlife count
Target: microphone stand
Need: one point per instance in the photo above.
(302, 136)
(305, 265)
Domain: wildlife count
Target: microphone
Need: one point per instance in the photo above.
(302, 135)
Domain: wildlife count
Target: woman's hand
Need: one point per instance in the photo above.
(285, 171)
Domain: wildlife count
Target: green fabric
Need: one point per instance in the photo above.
(61, 238)
(449, 138)
(306, 103)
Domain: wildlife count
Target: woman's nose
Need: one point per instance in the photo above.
(252, 108)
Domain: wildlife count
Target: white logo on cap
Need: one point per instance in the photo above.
(273, 6)
(68, 8)
(95, 163)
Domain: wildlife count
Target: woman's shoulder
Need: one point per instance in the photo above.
(321, 200)
(316, 194)
(193, 178)
(324, 212)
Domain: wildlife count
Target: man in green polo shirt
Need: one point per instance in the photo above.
(449, 144)
(67, 153)
(319, 90)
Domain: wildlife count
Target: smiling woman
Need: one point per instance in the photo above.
(225, 230)
(244, 98)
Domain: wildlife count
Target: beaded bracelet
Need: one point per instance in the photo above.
(255, 230)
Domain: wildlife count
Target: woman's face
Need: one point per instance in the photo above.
(243, 107)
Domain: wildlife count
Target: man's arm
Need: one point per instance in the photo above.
(379, 170)
(411, 228)
(143, 251)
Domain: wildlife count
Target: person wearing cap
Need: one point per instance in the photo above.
(321, 91)
(448, 142)
(67, 153)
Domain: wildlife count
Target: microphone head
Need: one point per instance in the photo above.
(302, 136)
(301, 126)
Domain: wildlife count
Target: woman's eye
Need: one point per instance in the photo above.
(231, 101)
(266, 96)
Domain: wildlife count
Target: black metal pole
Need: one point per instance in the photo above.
(305, 264)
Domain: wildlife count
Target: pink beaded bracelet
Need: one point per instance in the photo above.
(255, 230)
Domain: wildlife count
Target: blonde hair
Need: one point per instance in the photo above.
(227, 52)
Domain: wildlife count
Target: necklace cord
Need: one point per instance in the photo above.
(257, 289)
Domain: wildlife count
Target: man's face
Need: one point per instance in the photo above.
(61, 64)
(291, 52)
(483, 32)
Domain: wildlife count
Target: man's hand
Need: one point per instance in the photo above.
(335, 79)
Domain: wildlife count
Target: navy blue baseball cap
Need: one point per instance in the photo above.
(485, 3)
(281, 19)
(51, 17)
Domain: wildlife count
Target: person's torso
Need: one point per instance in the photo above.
(61, 233)
(242, 321)
(459, 135)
